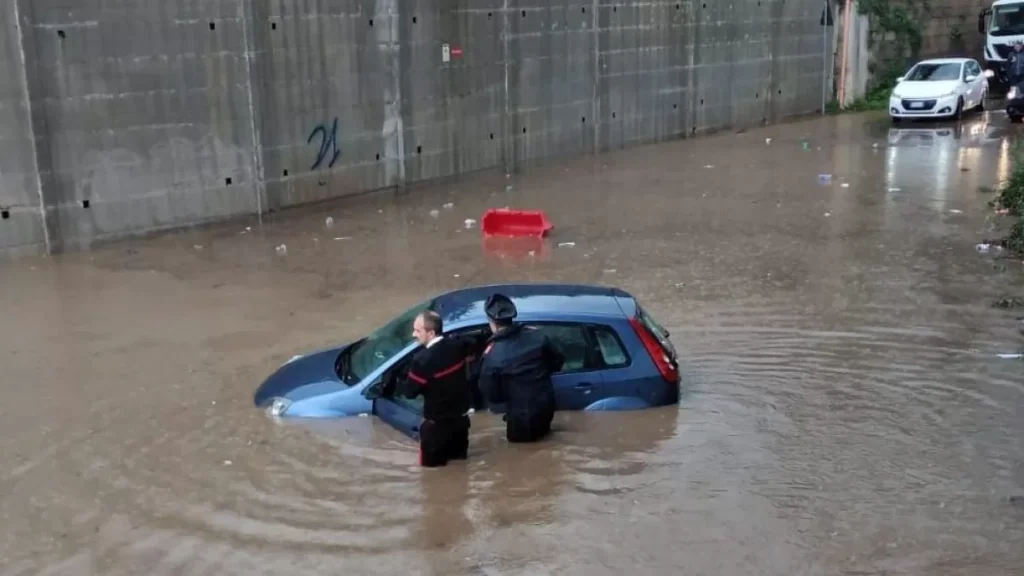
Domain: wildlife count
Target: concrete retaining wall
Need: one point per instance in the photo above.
(134, 116)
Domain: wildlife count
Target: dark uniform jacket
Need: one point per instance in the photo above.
(439, 373)
(516, 369)
(1015, 66)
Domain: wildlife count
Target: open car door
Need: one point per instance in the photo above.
(399, 412)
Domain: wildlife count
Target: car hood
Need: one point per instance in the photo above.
(907, 89)
(301, 377)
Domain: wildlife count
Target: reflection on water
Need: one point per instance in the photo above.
(842, 410)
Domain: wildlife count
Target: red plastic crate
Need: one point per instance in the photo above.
(515, 223)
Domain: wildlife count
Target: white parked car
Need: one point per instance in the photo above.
(940, 88)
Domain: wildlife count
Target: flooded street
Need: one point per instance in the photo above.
(844, 410)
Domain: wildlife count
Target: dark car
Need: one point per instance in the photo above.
(617, 357)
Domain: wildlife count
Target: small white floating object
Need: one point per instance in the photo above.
(435, 213)
(1011, 356)
(449, 205)
(844, 185)
(329, 222)
(228, 462)
(282, 249)
(343, 238)
(566, 244)
(955, 211)
(470, 222)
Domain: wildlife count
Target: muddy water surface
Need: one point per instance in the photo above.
(843, 414)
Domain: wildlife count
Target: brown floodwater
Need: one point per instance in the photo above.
(844, 410)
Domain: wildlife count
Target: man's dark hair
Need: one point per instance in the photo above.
(432, 321)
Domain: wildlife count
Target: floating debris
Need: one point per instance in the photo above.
(767, 140)
(329, 222)
(197, 247)
(470, 222)
(845, 185)
(435, 213)
(282, 249)
(343, 238)
(449, 205)
(566, 244)
(709, 165)
(892, 189)
(1011, 356)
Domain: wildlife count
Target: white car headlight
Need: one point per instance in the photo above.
(1013, 93)
(278, 407)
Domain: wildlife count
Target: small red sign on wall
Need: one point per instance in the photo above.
(456, 51)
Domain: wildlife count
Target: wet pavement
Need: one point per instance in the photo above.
(844, 413)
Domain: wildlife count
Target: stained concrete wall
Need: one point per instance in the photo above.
(138, 115)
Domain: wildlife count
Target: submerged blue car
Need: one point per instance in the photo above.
(617, 357)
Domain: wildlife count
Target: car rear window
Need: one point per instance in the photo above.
(651, 324)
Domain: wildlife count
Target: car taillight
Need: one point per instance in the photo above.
(654, 349)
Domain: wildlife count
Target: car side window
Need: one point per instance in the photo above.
(613, 354)
(571, 341)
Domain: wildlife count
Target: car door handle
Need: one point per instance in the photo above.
(584, 385)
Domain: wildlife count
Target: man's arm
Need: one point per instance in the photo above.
(489, 381)
(415, 380)
(553, 357)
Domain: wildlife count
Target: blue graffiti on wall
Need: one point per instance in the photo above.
(328, 143)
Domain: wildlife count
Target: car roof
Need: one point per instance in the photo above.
(467, 305)
(946, 61)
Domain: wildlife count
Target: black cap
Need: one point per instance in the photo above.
(500, 308)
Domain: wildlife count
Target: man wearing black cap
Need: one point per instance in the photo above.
(516, 369)
(438, 372)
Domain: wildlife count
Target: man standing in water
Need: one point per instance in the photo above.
(438, 372)
(517, 368)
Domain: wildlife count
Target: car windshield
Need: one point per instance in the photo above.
(934, 72)
(373, 351)
(1007, 20)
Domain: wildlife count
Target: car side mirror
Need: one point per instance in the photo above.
(900, 79)
(374, 391)
(971, 78)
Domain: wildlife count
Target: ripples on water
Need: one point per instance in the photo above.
(842, 413)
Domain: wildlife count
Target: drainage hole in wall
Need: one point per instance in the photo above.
(419, 149)
(757, 95)
(524, 130)
(583, 120)
(704, 5)
(5, 214)
(85, 204)
(213, 26)
(413, 19)
(524, 13)
(701, 101)
(273, 25)
(378, 156)
(693, 130)
(613, 114)
(583, 9)
(492, 135)
(615, 8)
(371, 22)
(677, 6)
(61, 34)
(780, 91)
(285, 173)
(675, 106)
(227, 181)
(490, 15)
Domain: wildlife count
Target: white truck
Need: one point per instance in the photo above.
(1002, 24)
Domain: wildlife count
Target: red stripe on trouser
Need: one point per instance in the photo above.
(417, 378)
